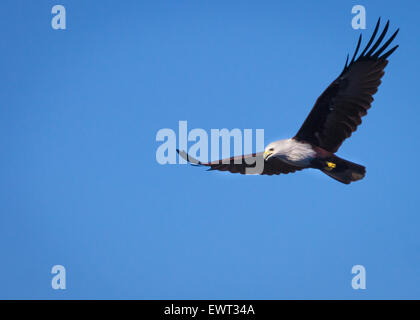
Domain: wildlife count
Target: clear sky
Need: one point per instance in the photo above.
(80, 185)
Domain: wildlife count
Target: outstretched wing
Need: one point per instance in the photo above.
(245, 164)
(339, 110)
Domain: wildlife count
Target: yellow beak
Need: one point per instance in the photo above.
(267, 154)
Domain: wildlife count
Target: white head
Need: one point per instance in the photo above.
(276, 148)
(290, 151)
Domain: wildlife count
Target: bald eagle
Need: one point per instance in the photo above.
(335, 116)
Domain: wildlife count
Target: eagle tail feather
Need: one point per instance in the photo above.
(342, 170)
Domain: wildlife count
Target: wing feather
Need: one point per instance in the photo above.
(339, 110)
(240, 164)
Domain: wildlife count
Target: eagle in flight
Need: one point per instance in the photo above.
(336, 114)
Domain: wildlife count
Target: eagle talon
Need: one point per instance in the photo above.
(330, 166)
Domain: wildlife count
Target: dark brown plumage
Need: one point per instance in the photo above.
(339, 110)
(238, 164)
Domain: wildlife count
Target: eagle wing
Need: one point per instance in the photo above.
(339, 110)
(245, 164)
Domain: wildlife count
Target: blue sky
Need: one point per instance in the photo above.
(80, 185)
